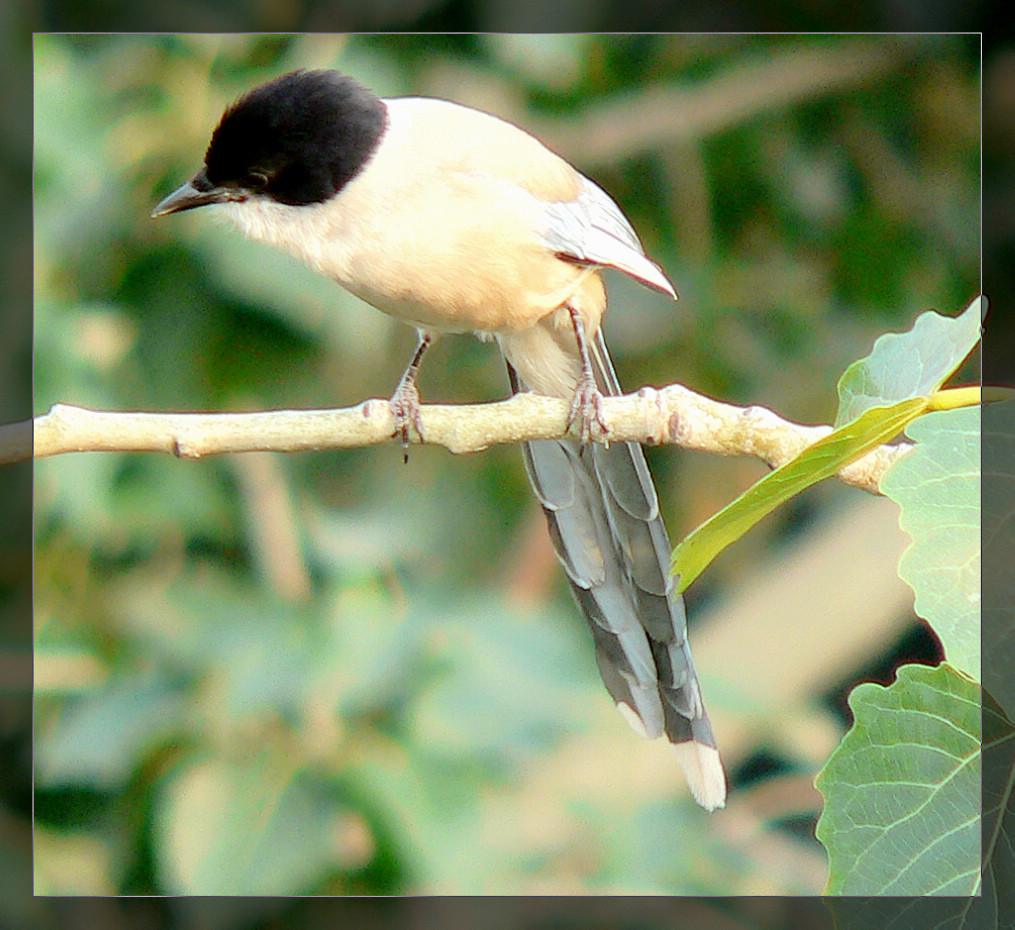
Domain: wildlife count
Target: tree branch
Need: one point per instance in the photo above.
(663, 114)
(672, 415)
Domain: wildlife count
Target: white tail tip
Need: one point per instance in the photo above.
(704, 773)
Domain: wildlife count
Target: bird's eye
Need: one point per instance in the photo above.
(257, 180)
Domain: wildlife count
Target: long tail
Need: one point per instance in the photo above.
(603, 514)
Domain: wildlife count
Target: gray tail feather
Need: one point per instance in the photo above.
(603, 515)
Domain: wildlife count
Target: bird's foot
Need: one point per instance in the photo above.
(405, 408)
(587, 409)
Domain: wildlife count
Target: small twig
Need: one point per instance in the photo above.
(672, 415)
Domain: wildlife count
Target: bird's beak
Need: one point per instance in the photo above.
(198, 192)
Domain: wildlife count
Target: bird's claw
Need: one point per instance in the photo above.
(587, 409)
(405, 408)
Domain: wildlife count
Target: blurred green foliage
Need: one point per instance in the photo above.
(330, 672)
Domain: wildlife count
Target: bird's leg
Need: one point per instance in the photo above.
(587, 403)
(405, 401)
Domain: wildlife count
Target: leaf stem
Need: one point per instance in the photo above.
(969, 396)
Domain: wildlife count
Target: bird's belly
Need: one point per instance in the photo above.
(488, 293)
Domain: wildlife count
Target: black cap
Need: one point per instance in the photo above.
(298, 140)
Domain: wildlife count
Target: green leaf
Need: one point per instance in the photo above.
(100, 735)
(254, 826)
(902, 791)
(933, 913)
(994, 905)
(878, 396)
(911, 364)
(822, 460)
(937, 487)
(998, 813)
(433, 809)
(998, 540)
(507, 686)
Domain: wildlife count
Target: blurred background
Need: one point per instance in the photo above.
(333, 673)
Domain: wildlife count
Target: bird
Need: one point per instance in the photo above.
(454, 220)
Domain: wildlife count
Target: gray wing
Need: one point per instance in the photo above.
(593, 229)
(603, 515)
